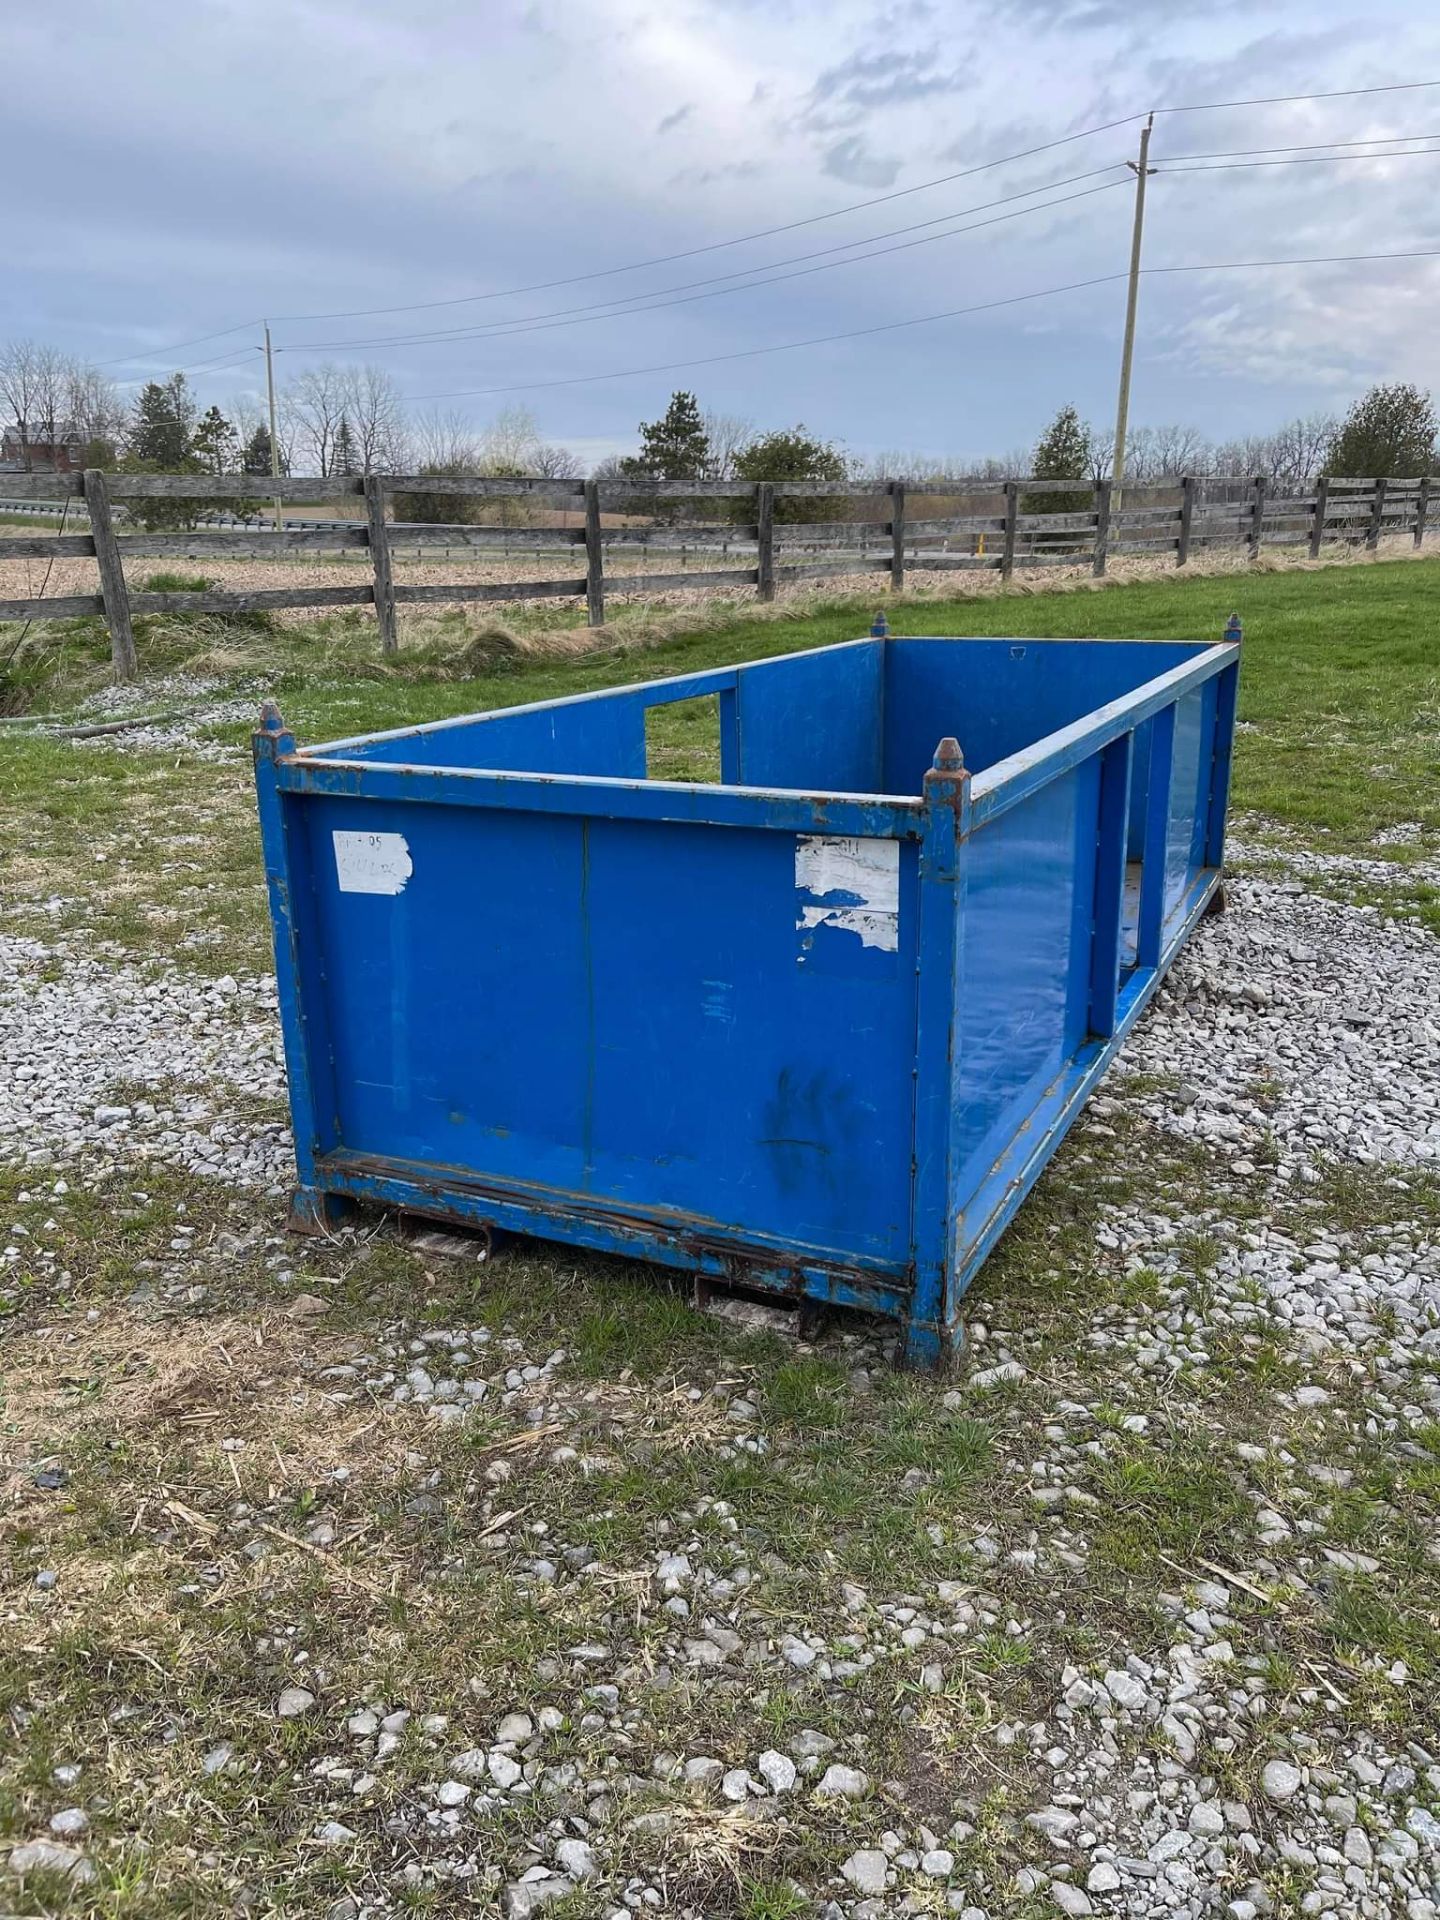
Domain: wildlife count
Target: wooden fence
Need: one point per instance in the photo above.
(989, 531)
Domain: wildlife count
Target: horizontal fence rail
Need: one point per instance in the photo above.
(742, 535)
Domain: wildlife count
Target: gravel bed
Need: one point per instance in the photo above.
(1170, 1774)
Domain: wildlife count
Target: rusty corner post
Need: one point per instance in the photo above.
(287, 883)
(932, 1334)
(113, 590)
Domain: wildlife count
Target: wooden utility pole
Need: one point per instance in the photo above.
(1142, 170)
(274, 434)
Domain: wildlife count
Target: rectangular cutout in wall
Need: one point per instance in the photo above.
(682, 741)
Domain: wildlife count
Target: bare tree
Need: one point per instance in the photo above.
(32, 386)
(316, 402)
(510, 442)
(372, 405)
(248, 411)
(555, 463)
(93, 409)
(728, 434)
(444, 442)
(1297, 450)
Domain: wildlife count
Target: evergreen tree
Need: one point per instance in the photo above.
(790, 453)
(674, 447)
(161, 440)
(213, 442)
(343, 457)
(162, 426)
(256, 457)
(1061, 453)
(1389, 434)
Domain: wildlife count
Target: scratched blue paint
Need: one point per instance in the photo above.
(816, 1029)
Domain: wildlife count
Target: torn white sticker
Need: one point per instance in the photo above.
(850, 883)
(372, 862)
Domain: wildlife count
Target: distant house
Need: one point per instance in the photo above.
(50, 450)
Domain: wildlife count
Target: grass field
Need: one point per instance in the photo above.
(659, 1538)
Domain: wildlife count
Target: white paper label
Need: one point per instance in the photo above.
(850, 883)
(372, 862)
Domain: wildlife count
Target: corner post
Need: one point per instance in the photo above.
(112, 576)
(765, 539)
(1103, 495)
(1187, 517)
(1322, 514)
(594, 557)
(932, 1332)
(311, 1210)
(1422, 508)
(373, 487)
(897, 536)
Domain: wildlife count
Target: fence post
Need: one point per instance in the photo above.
(765, 539)
(1187, 515)
(1257, 515)
(373, 487)
(1103, 491)
(1322, 509)
(1422, 507)
(897, 536)
(1372, 538)
(594, 557)
(1012, 516)
(112, 576)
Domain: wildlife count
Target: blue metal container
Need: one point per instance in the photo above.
(815, 1030)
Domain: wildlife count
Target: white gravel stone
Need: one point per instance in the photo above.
(777, 1770)
(1070, 1899)
(577, 1858)
(1281, 1780)
(49, 1856)
(844, 1783)
(866, 1870)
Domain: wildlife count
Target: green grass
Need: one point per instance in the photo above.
(869, 1480)
(1340, 699)
(175, 583)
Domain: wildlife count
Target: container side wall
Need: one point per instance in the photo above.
(999, 696)
(711, 1025)
(1024, 973)
(602, 738)
(814, 722)
(1189, 792)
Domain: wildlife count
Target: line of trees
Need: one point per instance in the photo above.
(342, 419)
(1388, 434)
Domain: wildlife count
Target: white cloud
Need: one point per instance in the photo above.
(311, 156)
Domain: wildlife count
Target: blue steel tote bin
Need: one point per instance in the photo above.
(814, 1030)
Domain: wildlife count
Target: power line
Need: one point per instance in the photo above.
(178, 346)
(1306, 160)
(1297, 99)
(927, 319)
(1049, 146)
(716, 246)
(765, 233)
(1313, 146)
(576, 316)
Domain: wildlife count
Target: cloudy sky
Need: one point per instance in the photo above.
(190, 169)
